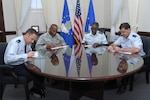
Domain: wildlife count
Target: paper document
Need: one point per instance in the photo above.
(87, 45)
(122, 52)
(126, 53)
(59, 47)
(112, 50)
(36, 54)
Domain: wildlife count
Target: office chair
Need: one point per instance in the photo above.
(8, 76)
(102, 30)
(146, 66)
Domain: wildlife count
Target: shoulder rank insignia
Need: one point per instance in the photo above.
(18, 41)
(134, 35)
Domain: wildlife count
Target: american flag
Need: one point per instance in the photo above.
(78, 56)
(78, 24)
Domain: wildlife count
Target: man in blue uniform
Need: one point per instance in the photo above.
(128, 42)
(17, 53)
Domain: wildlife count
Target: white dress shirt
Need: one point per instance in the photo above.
(97, 38)
(133, 40)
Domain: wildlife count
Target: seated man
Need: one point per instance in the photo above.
(50, 40)
(94, 38)
(127, 42)
(18, 51)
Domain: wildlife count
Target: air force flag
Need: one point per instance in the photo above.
(66, 28)
(90, 17)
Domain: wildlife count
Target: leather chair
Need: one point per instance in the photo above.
(101, 30)
(146, 66)
(7, 75)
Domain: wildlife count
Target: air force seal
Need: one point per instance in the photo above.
(66, 27)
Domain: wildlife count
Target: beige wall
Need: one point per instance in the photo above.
(102, 13)
(9, 15)
(144, 16)
(101, 7)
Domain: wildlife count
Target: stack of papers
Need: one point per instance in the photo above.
(59, 47)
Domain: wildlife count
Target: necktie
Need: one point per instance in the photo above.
(25, 47)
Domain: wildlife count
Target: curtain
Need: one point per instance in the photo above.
(52, 11)
(127, 8)
(18, 4)
(116, 10)
(133, 14)
(22, 8)
(46, 11)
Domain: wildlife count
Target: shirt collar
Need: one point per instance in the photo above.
(95, 34)
(130, 35)
(22, 39)
(51, 36)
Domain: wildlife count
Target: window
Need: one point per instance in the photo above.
(35, 18)
(36, 4)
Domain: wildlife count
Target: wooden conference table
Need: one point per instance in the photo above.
(85, 69)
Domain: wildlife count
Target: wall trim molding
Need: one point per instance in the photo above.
(10, 33)
(142, 33)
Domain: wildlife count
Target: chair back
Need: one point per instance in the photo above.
(3, 46)
(102, 30)
(146, 44)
